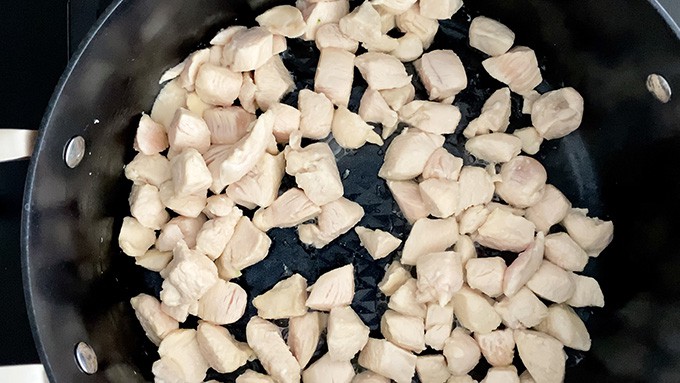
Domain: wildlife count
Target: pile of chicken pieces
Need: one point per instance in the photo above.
(222, 158)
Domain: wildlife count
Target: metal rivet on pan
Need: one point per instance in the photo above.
(86, 358)
(659, 87)
(74, 151)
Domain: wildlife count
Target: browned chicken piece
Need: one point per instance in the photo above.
(169, 99)
(440, 196)
(462, 352)
(432, 369)
(328, 370)
(196, 105)
(398, 97)
(248, 49)
(466, 248)
(438, 324)
(362, 24)
(334, 288)
(347, 334)
(216, 233)
(521, 310)
(330, 36)
(475, 311)
(189, 205)
(218, 206)
(412, 21)
(219, 348)
(180, 228)
(250, 376)
(146, 206)
(498, 347)
(592, 234)
(408, 198)
(336, 218)
(317, 14)
(260, 186)
(494, 147)
(549, 210)
(150, 137)
(374, 108)
(408, 153)
(506, 232)
(382, 71)
(442, 165)
(156, 324)
(153, 169)
(409, 48)
(388, 360)
(495, 116)
(188, 130)
(407, 332)
(285, 300)
(134, 238)
(557, 113)
(378, 243)
(404, 300)
(518, 68)
(564, 324)
(553, 283)
(290, 209)
(486, 275)
(350, 131)
(334, 75)
(188, 276)
(475, 187)
(543, 355)
(490, 36)
(303, 336)
(561, 250)
(395, 276)
(190, 175)
(246, 95)
(284, 20)
(441, 71)
(530, 138)
(316, 114)
(369, 377)
(587, 292)
(228, 125)
(192, 65)
(506, 374)
(440, 275)
(247, 246)
(430, 117)
(265, 339)
(273, 81)
(524, 266)
(217, 85)
(421, 240)
(181, 359)
(286, 121)
(154, 259)
(172, 73)
(315, 172)
(394, 7)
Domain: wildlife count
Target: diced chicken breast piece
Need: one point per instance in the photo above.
(180, 228)
(430, 117)
(190, 175)
(442, 165)
(154, 259)
(181, 358)
(432, 369)
(374, 108)
(438, 324)
(188, 205)
(495, 116)
(564, 324)
(216, 52)
(550, 209)
(408, 198)
(475, 187)
(362, 24)
(592, 234)
(153, 169)
(439, 9)
(285, 300)
(134, 238)
(461, 379)
(316, 114)
(330, 36)
(190, 273)
(394, 7)
(524, 266)
(347, 334)
(248, 49)
(196, 105)
(522, 182)
(424, 27)
(404, 300)
(317, 14)
(169, 99)
(543, 355)
(273, 81)
(334, 288)
(316, 172)
(498, 347)
(398, 97)
(350, 131)
(154, 321)
(260, 186)
(474, 311)
(525, 377)
(395, 276)
(528, 101)
(383, 44)
(405, 331)
(506, 374)
(494, 147)
(530, 138)
(334, 75)
(387, 17)
(150, 137)
(218, 206)
(224, 36)
(193, 64)
(217, 85)
(553, 283)
(286, 121)
(284, 20)
(328, 370)
(378, 243)
(188, 130)
(466, 248)
(409, 48)
(265, 339)
(421, 240)
(290, 209)
(336, 218)
(246, 95)
(440, 196)
(172, 73)
(216, 233)
(462, 352)
(146, 206)
(490, 36)
(441, 71)
(408, 154)
(247, 246)
(561, 250)
(388, 360)
(303, 336)
(518, 68)
(557, 113)
(369, 377)
(250, 376)
(587, 292)
(222, 352)
(486, 275)
(521, 310)
(382, 71)
(440, 275)
(228, 125)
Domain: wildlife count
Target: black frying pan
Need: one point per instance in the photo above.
(621, 164)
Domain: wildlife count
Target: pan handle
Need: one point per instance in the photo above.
(16, 144)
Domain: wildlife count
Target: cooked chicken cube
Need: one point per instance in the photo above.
(398, 97)
(315, 172)
(382, 71)
(522, 182)
(421, 240)
(285, 300)
(474, 311)
(507, 374)
(442, 165)
(246, 95)
(326, 369)
(283, 20)
(564, 324)
(393, 7)
(190, 274)
(273, 81)
(557, 113)
(466, 248)
(181, 358)
(408, 198)
(494, 147)
(374, 108)
(336, 218)
(498, 347)
(260, 186)
(362, 24)
(180, 228)
(395, 276)
(549, 210)
(249, 49)
(154, 321)
(440, 275)
(146, 206)
(150, 137)
(334, 288)
(196, 105)
(153, 170)
(542, 355)
(412, 21)
(316, 114)
(216, 233)
(592, 234)
(441, 71)
(528, 100)
(461, 379)
(216, 85)
(430, 117)
(265, 339)
(587, 292)
(134, 238)
(334, 75)
(369, 377)
(351, 131)
(408, 154)
(388, 360)
(188, 130)
(526, 378)
(172, 73)
(490, 36)
(330, 36)
(495, 116)
(250, 376)
(286, 121)
(222, 352)
(405, 331)
(289, 209)
(462, 352)
(154, 259)
(192, 65)
(409, 48)
(317, 14)
(180, 312)
(188, 205)
(247, 246)
(190, 175)
(303, 336)
(440, 196)
(404, 300)
(486, 275)
(561, 250)
(224, 36)
(432, 369)
(378, 243)
(218, 206)
(228, 125)
(383, 44)
(524, 266)
(438, 324)
(553, 283)
(521, 310)
(169, 99)
(347, 334)
(439, 9)
(530, 138)
(518, 68)
(475, 187)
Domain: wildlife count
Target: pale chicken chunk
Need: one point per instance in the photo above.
(505, 231)
(440, 275)
(398, 97)
(180, 228)
(334, 288)
(156, 324)
(378, 243)
(382, 71)
(395, 276)
(347, 334)
(475, 187)
(317, 14)
(188, 276)
(498, 347)
(247, 246)
(587, 292)
(219, 348)
(440, 196)
(408, 154)
(188, 130)
(506, 374)
(462, 352)
(374, 108)
(187, 205)
(284, 20)
(228, 125)
(328, 370)
(439, 9)
(193, 64)
(273, 81)
(592, 234)
(169, 99)
(394, 7)
(530, 138)
(224, 36)
(408, 198)
(286, 121)
(265, 339)
(486, 275)
(494, 147)
(490, 36)
(196, 105)
(336, 218)
(303, 336)
(528, 100)
(216, 52)
(181, 358)
(150, 137)
(260, 187)
(316, 114)
(424, 27)
(290, 209)
(404, 300)
(557, 113)
(334, 75)
(218, 206)
(383, 44)
(172, 73)
(362, 24)
(442, 72)
(518, 68)
(409, 48)
(213, 237)
(134, 238)
(543, 355)
(285, 300)
(524, 266)
(250, 376)
(153, 170)
(248, 49)
(522, 182)
(475, 311)
(428, 236)
(561, 250)
(521, 310)
(466, 248)
(549, 210)
(369, 377)
(461, 379)
(405, 331)
(190, 175)
(525, 377)
(315, 172)
(430, 117)
(146, 206)
(154, 259)
(217, 85)
(495, 116)
(246, 95)
(564, 324)
(442, 165)
(553, 283)
(330, 36)
(388, 360)
(438, 325)
(350, 131)
(432, 369)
